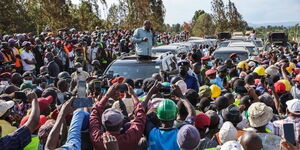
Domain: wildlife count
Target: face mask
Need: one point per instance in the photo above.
(209, 64)
(46, 61)
(4, 83)
(213, 81)
(27, 81)
(80, 69)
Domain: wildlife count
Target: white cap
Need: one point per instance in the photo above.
(5, 105)
(232, 145)
(294, 106)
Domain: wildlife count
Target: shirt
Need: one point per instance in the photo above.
(191, 83)
(128, 103)
(29, 56)
(278, 126)
(295, 92)
(17, 140)
(143, 47)
(82, 76)
(128, 140)
(163, 139)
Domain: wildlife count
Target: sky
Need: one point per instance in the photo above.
(253, 11)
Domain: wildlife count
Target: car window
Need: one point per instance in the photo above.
(134, 71)
(251, 49)
(258, 44)
(223, 44)
(226, 55)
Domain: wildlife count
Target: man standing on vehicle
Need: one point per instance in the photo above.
(144, 40)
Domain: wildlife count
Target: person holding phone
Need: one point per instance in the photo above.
(112, 120)
(293, 112)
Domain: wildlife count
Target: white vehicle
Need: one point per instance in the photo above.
(168, 48)
(187, 45)
(224, 53)
(250, 46)
(259, 44)
(202, 42)
(195, 38)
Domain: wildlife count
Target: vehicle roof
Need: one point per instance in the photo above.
(231, 49)
(167, 47)
(241, 44)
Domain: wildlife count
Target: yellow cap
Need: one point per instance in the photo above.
(260, 70)
(243, 65)
(290, 68)
(215, 91)
(287, 84)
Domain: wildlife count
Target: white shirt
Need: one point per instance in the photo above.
(29, 56)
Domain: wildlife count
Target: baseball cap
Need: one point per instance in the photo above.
(188, 137)
(4, 106)
(272, 70)
(167, 110)
(210, 72)
(44, 102)
(5, 75)
(202, 121)
(232, 145)
(233, 54)
(279, 87)
(42, 121)
(112, 117)
(259, 114)
(227, 132)
(294, 106)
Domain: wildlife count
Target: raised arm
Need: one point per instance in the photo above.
(53, 138)
(189, 107)
(97, 111)
(35, 112)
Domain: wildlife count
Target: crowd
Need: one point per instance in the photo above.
(202, 104)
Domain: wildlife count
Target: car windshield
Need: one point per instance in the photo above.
(223, 44)
(134, 71)
(226, 55)
(258, 44)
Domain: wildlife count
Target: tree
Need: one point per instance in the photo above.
(219, 15)
(203, 26)
(196, 15)
(235, 19)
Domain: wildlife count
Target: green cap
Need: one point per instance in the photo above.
(167, 110)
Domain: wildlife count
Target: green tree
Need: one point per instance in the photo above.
(203, 26)
(219, 15)
(196, 15)
(235, 19)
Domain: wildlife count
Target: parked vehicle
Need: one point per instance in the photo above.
(224, 53)
(174, 49)
(250, 46)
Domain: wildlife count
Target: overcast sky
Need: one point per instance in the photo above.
(253, 11)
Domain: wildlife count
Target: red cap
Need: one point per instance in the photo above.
(279, 87)
(205, 58)
(233, 54)
(202, 120)
(297, 70)
(42, 121)
(44, 102)
(118, 80)
(210, 71)
(297, 78)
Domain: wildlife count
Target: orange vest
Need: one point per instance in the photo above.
(18, 60)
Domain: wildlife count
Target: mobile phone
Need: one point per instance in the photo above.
(20, 95)
(82, 102)
(289, 133)
(97, 87)
(81, 89)
(123, 88)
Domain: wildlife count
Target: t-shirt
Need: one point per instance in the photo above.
(7, 128)
(163, 139)
(29, 56)
(295, 92)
